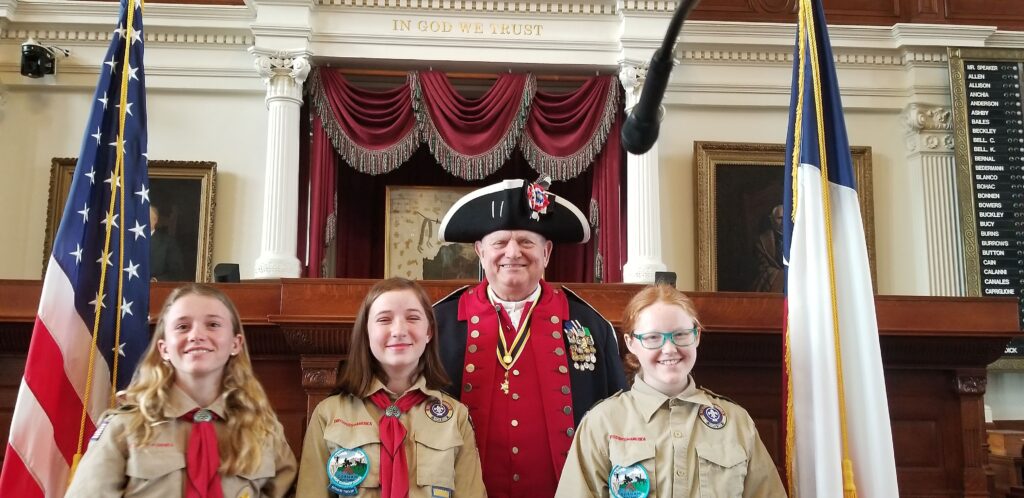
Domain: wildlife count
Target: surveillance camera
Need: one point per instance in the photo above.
(38, 60)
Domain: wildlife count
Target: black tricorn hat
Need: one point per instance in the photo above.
(508, 206)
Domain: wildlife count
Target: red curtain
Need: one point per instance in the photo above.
(470, 139)
(322, 194)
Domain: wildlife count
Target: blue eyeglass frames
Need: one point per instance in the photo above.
(679, 337)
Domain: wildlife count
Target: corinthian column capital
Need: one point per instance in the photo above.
(270, 65)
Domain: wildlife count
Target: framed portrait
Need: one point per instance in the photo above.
(739, 196)
(411, 248)
(182, 197)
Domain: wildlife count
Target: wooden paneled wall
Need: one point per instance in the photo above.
(934, 352)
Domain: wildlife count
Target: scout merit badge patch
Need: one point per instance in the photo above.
(346, 469)
(629, 482)
(712, 416)
(438, 411)
(581, 346)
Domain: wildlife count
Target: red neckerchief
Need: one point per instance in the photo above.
(203, 456)
(394, 469)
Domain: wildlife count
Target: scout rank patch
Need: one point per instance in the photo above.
(713, 416)
(439, 492)
(438, 411)
(346, 468)
(629, 482)
(581, 346)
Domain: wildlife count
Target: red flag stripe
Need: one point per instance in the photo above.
(34, 444)
(54, 393)
(73, 337)
(21, 483)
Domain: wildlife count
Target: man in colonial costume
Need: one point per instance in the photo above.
(528, 358)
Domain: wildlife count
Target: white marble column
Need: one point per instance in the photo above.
(643, 199)
(283, 72)
(929, 139)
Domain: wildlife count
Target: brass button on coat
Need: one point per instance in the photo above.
(556, 334)
(559, 351)
(570, 431)
(468, 387)
(470, 368)
(567, 410)
(475, 319)
(472, 348)
(562, 369)
(474, 334)
(565, 389)
(554, 319)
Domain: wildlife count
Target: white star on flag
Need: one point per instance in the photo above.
(85, 213)
(143, 194)
(112, 218)
(128, 108)
(114, 144)
(92, 173)
(132, 270)
(112, 176)
(98, 134)
(120, 348)
(104, 100)
(104, 259)
(126, 308)
(119, 31)
(139, 230)
(77, 253)
(112, 63)
(135, 35)
(98, 302)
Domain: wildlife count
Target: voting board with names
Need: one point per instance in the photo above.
(989, 120)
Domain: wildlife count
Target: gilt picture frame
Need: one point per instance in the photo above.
(184, 193)
(738, 186)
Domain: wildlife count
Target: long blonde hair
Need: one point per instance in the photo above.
(249, 418)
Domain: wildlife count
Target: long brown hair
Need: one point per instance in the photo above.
(249, 418)
(659, 293)
(361, 367)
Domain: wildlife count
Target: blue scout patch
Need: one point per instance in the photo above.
(629, 482)
(346, 469)
(712, 416)
(439, 411)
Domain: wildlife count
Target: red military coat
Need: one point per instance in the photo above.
(524, 435)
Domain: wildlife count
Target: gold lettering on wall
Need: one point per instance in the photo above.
(467, 28)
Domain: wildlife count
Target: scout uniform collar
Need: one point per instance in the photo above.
(649, 399)
(421, 384)
(179, 403)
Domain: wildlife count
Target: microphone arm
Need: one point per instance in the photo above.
(640, 130)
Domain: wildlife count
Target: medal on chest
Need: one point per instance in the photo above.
(509, 352)
(582, 351)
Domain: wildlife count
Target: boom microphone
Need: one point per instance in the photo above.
(640, 130)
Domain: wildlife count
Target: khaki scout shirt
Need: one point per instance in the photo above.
(115, 465)
(441, 453)
(683, 455)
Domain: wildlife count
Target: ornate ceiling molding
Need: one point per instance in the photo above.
(487, 6)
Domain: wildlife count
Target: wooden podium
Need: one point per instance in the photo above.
(934, 351)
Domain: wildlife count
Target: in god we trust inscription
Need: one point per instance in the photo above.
(989, 122)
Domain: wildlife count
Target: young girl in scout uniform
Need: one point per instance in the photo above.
(195, 421)
(666, 437)
(389, 431)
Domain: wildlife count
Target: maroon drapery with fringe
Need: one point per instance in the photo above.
(375, 132)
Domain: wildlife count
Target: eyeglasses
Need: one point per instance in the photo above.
(679, 337)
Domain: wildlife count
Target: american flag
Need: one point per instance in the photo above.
(839, 439)
(92, 325)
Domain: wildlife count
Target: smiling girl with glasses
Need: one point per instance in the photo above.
(666, 437)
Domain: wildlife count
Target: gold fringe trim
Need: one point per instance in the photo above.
(571, 166)
(481, 165)
(362, 159)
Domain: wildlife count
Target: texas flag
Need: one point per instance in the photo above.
(838, 440)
